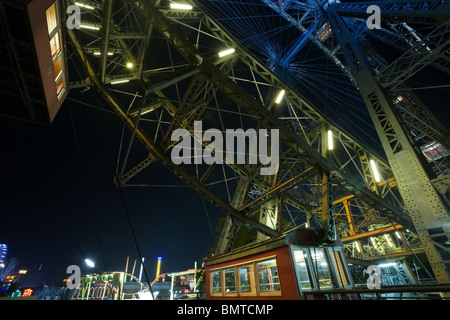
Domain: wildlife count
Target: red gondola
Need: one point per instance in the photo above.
(283, 268)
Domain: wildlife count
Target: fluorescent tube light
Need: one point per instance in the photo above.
(376, 174)
(98, 53)
(373, 242)
(120, 81)
(89, 26)
(280, 96)
(330, 140)
(226, 52)
(388, 264)
(388, 240)
(86, 6)
(180, 6)
(147, 111)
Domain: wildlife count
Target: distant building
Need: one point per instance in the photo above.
(3, 252)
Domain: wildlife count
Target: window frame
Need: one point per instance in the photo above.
(229, 271)
(212, 282)
(252, 285)
(344, 270)
(329, 253)
(307, 259)
(271, 284)
(253, 277)
(57, 32)
(316, 271)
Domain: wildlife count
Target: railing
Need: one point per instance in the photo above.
(402, 292)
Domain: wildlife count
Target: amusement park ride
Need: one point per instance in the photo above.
(363, 162)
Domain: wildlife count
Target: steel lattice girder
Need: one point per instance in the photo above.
(424, 203)
(232, 89)
(436, 43)
(235, 92)
(411, 105)
(158, 154)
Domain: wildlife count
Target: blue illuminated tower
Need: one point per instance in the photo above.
(3, 252)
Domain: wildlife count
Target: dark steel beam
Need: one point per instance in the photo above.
(106, 32)
(253, 107)
(158, 154)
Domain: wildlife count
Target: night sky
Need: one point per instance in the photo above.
(60, 206)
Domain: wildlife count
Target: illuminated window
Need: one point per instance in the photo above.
(55, 40)
(60, 86)
(304, 278)
(340, 268)
(57, 68)
(268, 276)
(230, 280)
(433, 151)
(52, 18)
(27, 292)
(247, 279)
(55, 46)
(321, 266)
(216, 280)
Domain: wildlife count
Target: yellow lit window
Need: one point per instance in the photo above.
(55, 40)
(55, 46)
(60, 87)
(52, 19)
(340, 268)
(57, 68)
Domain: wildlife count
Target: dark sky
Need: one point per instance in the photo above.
(59, 203)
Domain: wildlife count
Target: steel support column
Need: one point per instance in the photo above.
(424, 204)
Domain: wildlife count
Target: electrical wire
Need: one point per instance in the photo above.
(84, 178)
(113, 166)
(122, 196)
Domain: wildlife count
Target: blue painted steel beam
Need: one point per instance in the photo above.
(418, 11)
(299, 43)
